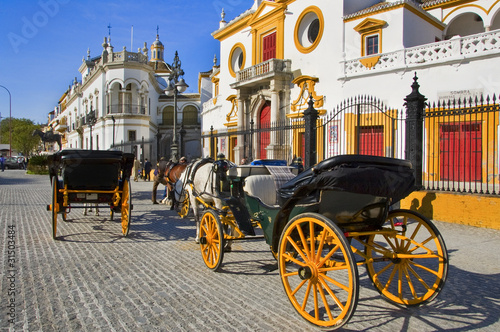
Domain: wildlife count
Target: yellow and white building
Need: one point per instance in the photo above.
(126, 90)
(277, 53)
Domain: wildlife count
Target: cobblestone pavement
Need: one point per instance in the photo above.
(93, 279)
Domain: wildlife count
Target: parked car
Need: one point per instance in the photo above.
(12, 163)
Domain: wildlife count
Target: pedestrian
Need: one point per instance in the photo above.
(147, 170)
(244, 161)
(160, 178)
(2, 163)
(136, 169)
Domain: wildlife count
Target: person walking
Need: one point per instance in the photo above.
(2, 163)
(160, 178)
(147, 170)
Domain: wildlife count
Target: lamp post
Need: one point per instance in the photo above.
(175, 86)
(113, 119)
(91, 121)
(10, 121)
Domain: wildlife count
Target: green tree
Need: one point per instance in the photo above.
(22, 138)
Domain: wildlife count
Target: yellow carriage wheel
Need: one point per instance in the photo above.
(318, 270)
(126, 206)
(410, 266)
(211, 240)
(54, 207)
(184, 206)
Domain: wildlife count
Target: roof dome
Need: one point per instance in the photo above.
(157, 42)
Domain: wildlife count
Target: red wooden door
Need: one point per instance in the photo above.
(269, 47)
(460, 157)
(371, 141)
(265, 124)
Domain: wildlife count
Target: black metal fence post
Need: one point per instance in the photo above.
(310, 119)
(415, 109)
(212, 141)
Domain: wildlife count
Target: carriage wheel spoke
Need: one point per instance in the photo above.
(332, 294)
(320, 245)
(327, 257)
(336, 283)
(389, 280)
(296, 247)
(409, 281)
(298, 287)
(312, 249)
(306, 296)
(316, 302)
(304, 243)
(325, 302)
(425, 268)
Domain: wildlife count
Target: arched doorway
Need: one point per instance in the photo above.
(264, 125)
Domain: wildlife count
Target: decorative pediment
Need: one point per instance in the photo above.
(266, 10)
(369, 24)
(307, 88)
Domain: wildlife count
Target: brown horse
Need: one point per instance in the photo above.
(173, 174)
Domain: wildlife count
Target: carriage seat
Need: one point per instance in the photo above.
(265, 186)
(261, 186)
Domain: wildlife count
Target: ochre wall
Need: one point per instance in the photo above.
(467, 209)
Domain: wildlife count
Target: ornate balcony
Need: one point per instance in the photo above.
(450, 51)
(263, 72)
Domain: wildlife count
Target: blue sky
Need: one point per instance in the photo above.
(43, 42)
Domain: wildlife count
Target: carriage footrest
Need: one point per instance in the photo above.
(241, 215)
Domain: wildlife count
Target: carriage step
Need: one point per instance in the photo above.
(241, 215)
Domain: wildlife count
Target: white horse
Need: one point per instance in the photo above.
(203, 185)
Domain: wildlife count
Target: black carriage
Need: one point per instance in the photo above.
(323, 224)
(86, 177)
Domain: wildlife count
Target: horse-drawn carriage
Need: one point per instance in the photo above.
(90, 177)
(321, 225)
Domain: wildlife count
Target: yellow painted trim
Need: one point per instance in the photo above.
(235, 47)
(232, 29)
(232, 116)
(319, 14)
(465, 209)
(307, 87)
(448, 4)
(370, 62)
(465, 6)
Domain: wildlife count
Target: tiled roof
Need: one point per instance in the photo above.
(383, 5)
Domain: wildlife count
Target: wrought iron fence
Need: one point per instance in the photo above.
(459, 146)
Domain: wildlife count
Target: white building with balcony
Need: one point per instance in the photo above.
(126, 93)
(278, 53)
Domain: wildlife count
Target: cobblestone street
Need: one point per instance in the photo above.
(93, 279)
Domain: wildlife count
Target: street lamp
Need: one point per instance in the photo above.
(175, 86)
(113, 119)
(10, 121)
(91, 121)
